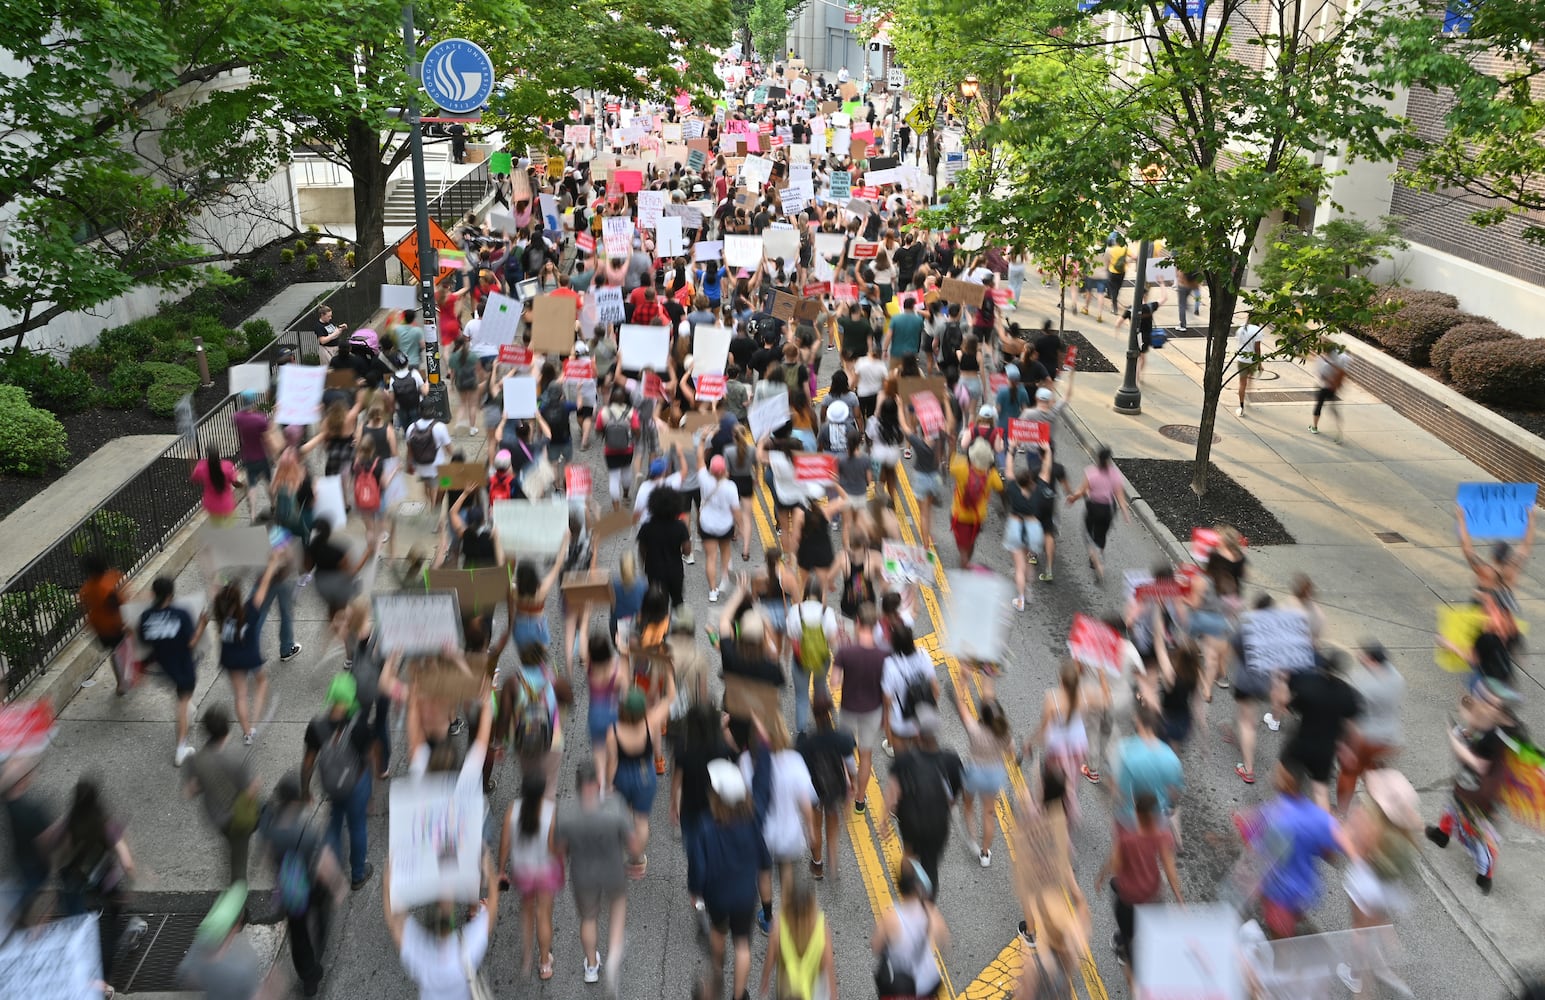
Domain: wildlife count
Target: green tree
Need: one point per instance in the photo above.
(769, 23)
(742, 12)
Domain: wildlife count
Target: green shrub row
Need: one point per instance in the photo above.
(32, 440)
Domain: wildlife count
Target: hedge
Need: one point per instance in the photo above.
(1472, 331)
(1502, 372)
(32, 440)
(1416, 296)
(127, 385)
(48, 383)
(1410, 333)
(169, 383)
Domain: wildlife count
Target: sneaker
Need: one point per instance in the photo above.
(859, 805)
(986, 859)
(713, 596)
(248, 737)
(1045, 578)
(690, 560)
(1353, 983)
(1483, 883)
(1314, 430)
(457, 725)
(763, 922)
(184, 751)
(134, 932)
(704, 925)
(1437, 836)
(305, 579)
(290, 653)
(593, 972)
(359, 883)
(1031, 559)
(1091, 774)
(885, 745)
(1272, 722)
(1239, 412)
(1019, 603)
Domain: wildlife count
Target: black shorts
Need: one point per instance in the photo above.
(738, 924)
(619, 461)
(1318, 762)
(744, 485)
(183, 683)
(709, 536)
(585, 412)
(110, 642)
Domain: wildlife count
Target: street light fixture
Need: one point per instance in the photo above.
(969, 88)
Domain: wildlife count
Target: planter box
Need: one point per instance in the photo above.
(1497, 445)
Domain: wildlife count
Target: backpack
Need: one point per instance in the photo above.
(1043, 499)
(815, 654)
(405, 393)
(294, 883)
(976, 485)
(919, 692)
(923, 814)
(367, 489)
(618, 433)
(534, 724)
(421, 445)
(339, 766)
(829, 776)
(856, 590)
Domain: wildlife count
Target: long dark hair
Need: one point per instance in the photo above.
(217, 480)
(87, 820)
(532, 791)
(229, 605)
(890, 422)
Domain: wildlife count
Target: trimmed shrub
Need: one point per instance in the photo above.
(169, 383)
(263, 277)
(301, 246)
(91, 358)
(312, 262)
(113, 534)
(218, 360)
(172, 352)
(286, 256)
(126, 386)
(48, 383)
(32, 440)
(260, 333)
(1410, 333)
(1479, 331)
(1415, 297)
(132, 342)
(1502, 372)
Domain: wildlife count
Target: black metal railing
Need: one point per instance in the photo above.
(39, 610)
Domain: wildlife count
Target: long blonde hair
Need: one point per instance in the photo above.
(627, 569)
(800, 909)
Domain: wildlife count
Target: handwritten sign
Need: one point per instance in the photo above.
(1497, 510)
(1092, 642)
(1024, 431)
(435, 829)
(967, 293)
(841, 186)
(930, 418)
(477, 590)
(742, 251)
(61, 960)
(617, 235)
(904, 563)
(576, 481)
(299, 400)
(1277, 639)
(417, 623)
(608, 304)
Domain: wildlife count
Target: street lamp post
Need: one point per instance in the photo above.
(1129, 398)
(438, 401)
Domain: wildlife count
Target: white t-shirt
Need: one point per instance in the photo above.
(442, 438)
(439, 965)
(716, 513)
(783, 829)
(899, 673)
(810, 611)
(1249, 338)
(871, 374)
(531, 855)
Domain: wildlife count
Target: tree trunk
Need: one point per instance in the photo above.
(363, 148)
(1062, 299)
(1222, 297)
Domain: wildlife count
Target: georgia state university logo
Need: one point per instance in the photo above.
(458, 75)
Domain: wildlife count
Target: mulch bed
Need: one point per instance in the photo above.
(1089, 359)
(1165, 484)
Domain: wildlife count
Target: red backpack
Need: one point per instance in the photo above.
(367, 489)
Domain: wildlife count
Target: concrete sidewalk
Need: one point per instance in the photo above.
(1388, 476)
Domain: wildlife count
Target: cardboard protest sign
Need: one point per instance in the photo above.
(520, 397)
(905, 563)
(398, 297)
(552, 323)
(1497, 511)
(1027, 432)
(741, 250)
(815, 468)
(1042, 859)
(435, 834)
(966, 293)
(936, 387)
(342, 378)
(1092, 642)
(587, 588)
(447, 681)
(1190, 952)
(250, 378)
(60, 960)
(26, 727)
(768, 414)
(411, 623)
(783, 305)
(477, 590)
(975, 627)
(745, 698)
(531, 527)
(240, 545)
(697, 420)
(807, 309)
(641, 347)
(615, 523)
(1277, 639)
(299, 399)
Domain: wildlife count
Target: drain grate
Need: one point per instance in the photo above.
(1282, 396)
(172, 920)
(1184, 433)
(1390, 537)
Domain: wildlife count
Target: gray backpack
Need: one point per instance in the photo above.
(339, 765)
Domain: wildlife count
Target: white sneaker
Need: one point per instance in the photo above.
(986, 859)
(1239, 412)
(184, 751)
(1272, 722)
(248, 737)
(713, 596)
(1019, 603)
(885, 745)
(593, 972)
(689, 560)
(1353, 983)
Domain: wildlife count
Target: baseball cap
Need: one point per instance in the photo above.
(716, 465)
(343, 691)
(727, 781)
(1044, 395)
(224, 914)
(580, 348)
(1012, 371)
(751, 627)
(657, 468)
(986, 413)
(502, 460)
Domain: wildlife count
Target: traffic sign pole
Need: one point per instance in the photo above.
(439, 402)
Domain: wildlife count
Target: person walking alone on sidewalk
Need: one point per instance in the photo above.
(1331, 370)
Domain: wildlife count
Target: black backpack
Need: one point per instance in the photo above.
(919, 692)
(949, 342)
(405, 393)
(829, 775)
(923, 814)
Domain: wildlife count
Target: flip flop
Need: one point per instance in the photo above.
(1248, 777)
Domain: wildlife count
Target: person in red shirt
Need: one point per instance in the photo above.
(646, 308)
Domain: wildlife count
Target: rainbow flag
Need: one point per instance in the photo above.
(451, 260)
(1523, 790)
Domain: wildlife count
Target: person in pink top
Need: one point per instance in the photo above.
(1101, 491)
(217, 477)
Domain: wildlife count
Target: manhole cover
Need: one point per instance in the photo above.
(1184, 433)
(1390, 537)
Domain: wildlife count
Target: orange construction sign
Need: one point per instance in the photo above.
(407, 247)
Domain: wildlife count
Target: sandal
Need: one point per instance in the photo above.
(817, 870)
(1248, 777)
(545, 969)
(1228, 736)
(636, 869)
(1091, 774)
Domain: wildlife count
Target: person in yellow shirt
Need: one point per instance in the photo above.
(976, 480)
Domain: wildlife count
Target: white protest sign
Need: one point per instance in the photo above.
(755, 171)
(328, 504)
(792, 200)
(503, 222)
(520, 397)
(710, 349)
(250, 378)
(551, 217)
(1277, 639)
(411, 624)
(903, 563)
(299, 400)
(782, 243)
(840, 119)
(768, 414)
(608, 304)
(708, 250)
(640, 347)
(396, 297)
(876, 178)
(650, 205)
(501, 320)
(671, 131)
(60, 960)
(975, 627)
(531, 527)
(817, 140)
(828, 249)
(1190, 952)
(435, 834)
(244, 545)
(617, 234)
(741, 250)
(692, 128)
(842, 138)
(668, 238)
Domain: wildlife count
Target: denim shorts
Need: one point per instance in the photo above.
(985, 779)
(931, 485)
(1017, 534)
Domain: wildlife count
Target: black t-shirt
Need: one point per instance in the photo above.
(1048, 351)
(1033, 372)
(741, 349)
(692, 765)
(1043, 494)
(321, 729)
(1324, 703)
(856, 333)
(477, 548)
(1493, 657)
(1018, 500)
(929, 765)
(659, 545)
(759, 669)
(764, 357)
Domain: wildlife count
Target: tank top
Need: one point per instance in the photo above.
(799, 970)
(909, 949)
(1066, 736)
(379, 437)
(529, 854)
(644, 757)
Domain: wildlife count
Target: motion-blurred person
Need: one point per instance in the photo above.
(228, 789)
(799, 947)
(920, 792)
(338, 744)
(173, 635)
(94, 864)
(101, 599)
(906, 938)
(1138, 854)
(1292, 832)
(240, 621)
(223, 964)
(985, 775)
(728, 855)
(1376, 738)
(1382, 829)
(28, 818)
(442, 959)
(828, 753)
(525, 845)
(1476, 740)
(593, 836)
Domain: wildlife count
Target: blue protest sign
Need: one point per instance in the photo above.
(1497, 510)
(1457, 17)
(1195, 9)
(458, 76)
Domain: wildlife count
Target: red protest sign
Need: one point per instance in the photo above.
(765, 128)
(585, 242)
(996, 382)
(710, 387)
(930, 417)
(866, 251)
(653, 386)
(578, 369)
(1160, 590)
(1188, 575)
(1095, 643)
(1069, 356)
(1024, 431)
(815, 468)
(576, 481)
(514, 354)
(816, 289)
(25, 727)
(866, 193)
(845, 293)
(612, 107)
(1002, 296)
(1204, 541)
